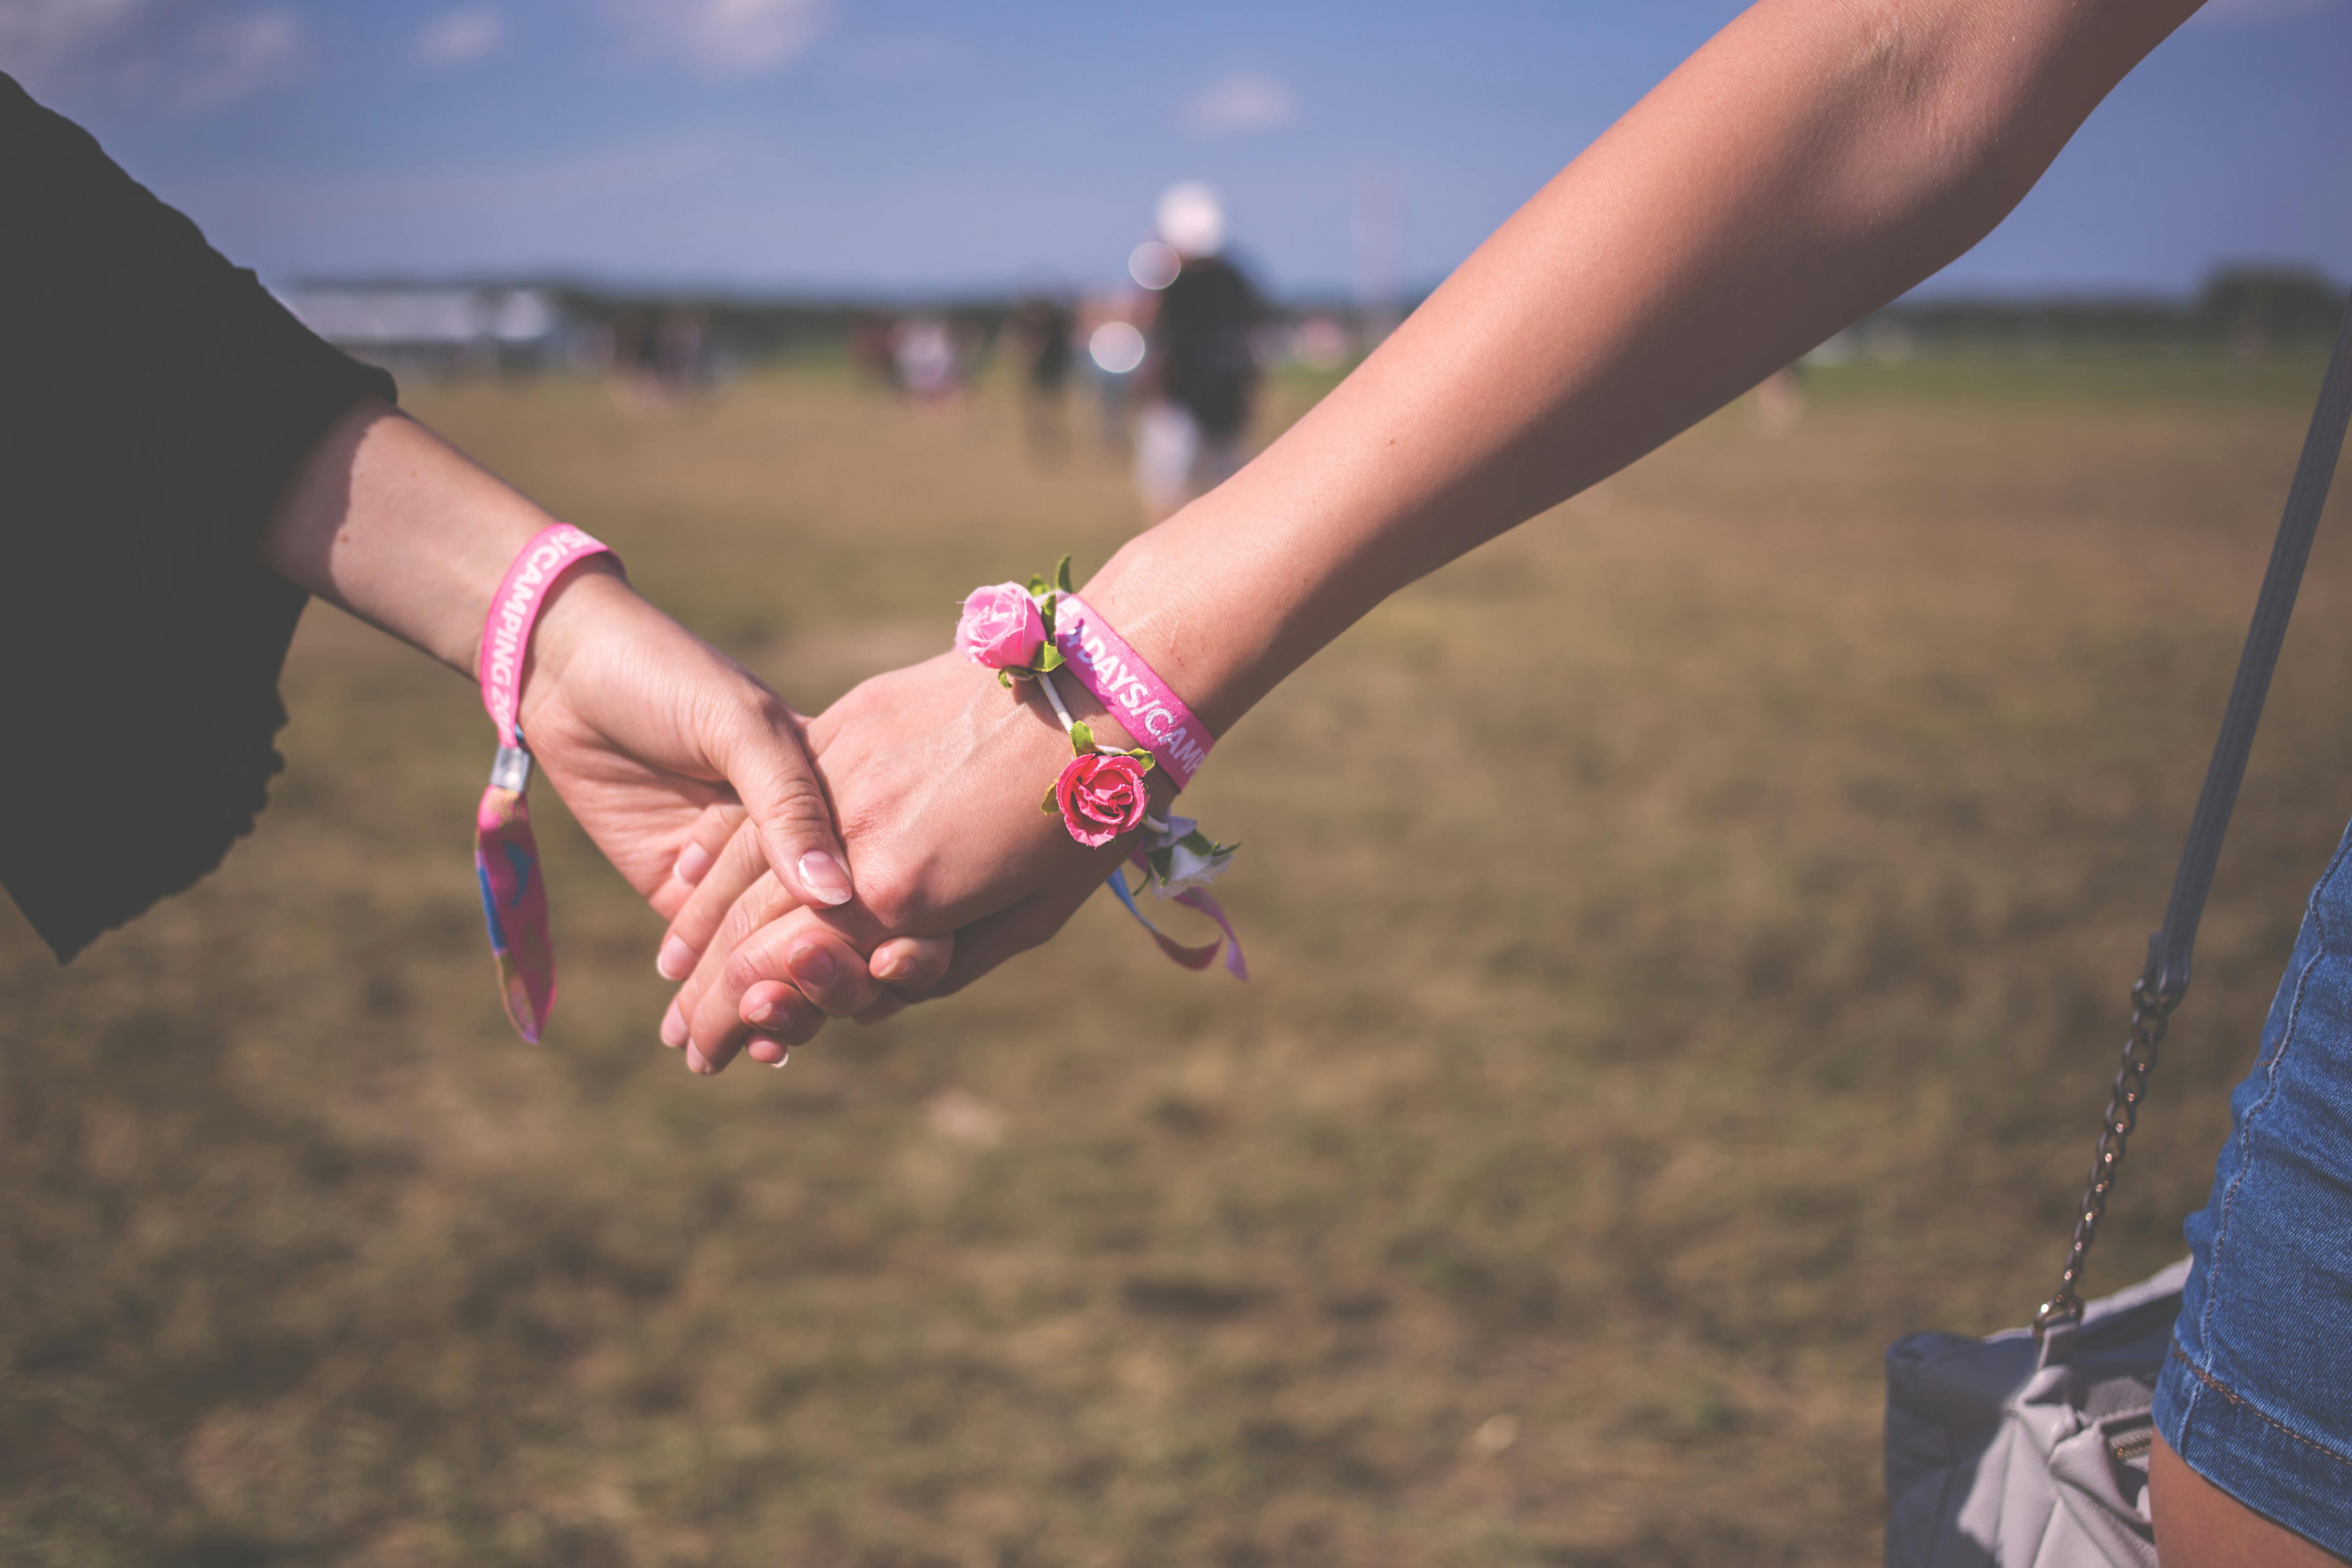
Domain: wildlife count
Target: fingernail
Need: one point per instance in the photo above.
(673, 1029)
(812, 966)
(766, 1014)
(694, 863)
(697, 1062)
(891, 968)
(762, 1051)
(782, 1061)
(821, 874)
(677, 960)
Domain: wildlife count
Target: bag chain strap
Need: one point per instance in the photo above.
(2165, 981)
(2151, 1013)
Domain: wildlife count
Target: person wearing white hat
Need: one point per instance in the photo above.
(1201, 373)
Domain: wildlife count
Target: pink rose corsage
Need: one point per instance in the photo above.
(1010, 629)
(1001, 629)
(1101, 796)
(1103, 792)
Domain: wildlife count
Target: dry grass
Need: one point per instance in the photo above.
(1695, 960)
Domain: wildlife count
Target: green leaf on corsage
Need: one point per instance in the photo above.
(1062, 574)
(1004, 679)
(1049, 657)
(1049, 805)
(1038, 587)
(1082, 738)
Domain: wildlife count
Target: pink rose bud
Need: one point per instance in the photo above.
(1101, 797)
(1001, 628)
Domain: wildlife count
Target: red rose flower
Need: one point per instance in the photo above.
(1101, 796)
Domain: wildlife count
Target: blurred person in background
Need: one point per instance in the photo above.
(1809, 164)
(1200, 374)
(185, 464)
(1040, 333)
(929, 362)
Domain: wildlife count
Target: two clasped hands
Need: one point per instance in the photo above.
(888, 850)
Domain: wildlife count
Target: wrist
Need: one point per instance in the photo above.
(589, 604)
(1201, 631)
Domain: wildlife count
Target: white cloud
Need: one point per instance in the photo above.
(38, 37)
(1243, 103)
(2254, 13)
(230, 57)
(460, 37)
(724, 38)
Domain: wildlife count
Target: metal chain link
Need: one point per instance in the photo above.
(2151, 1012)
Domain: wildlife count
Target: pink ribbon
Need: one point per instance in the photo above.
(1191, 957)
(506, 856)
(1128, 690)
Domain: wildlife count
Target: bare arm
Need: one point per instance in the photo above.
(1809, 164)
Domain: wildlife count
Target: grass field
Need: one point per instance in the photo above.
(1700, 961)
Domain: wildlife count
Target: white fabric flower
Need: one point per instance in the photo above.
(1182, 857)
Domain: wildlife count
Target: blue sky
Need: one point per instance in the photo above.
(920, 144)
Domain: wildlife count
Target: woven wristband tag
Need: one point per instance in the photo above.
(506, 856)
(1128, 690)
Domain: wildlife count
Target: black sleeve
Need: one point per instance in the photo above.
(154, 400)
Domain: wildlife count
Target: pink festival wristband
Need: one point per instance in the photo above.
(1129, 691)
(506, 856)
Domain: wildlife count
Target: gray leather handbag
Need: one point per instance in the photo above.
(2030, 1449)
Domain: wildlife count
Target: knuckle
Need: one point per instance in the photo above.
(753, 910)
(898, 900)
(744, 968)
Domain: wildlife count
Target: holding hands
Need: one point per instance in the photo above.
(935, 773)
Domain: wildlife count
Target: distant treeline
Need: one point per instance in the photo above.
(2238, 308)
(2243, 310)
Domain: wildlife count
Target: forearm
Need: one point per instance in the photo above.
(392, 523)
(1813, 161)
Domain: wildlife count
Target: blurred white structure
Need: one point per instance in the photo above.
(435, 328)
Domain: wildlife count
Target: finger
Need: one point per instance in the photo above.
(777, 1025)
(696, 855)
(991, 940)
(912, 962)
(797, 1024)
(740, 862)
(798, 951)
(755, 946)
(764, 900)
(762, 757)
(765, 1004)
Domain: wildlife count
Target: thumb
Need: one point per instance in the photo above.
(764, 760)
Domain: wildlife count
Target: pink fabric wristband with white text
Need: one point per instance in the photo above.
(1129, 691)
(514, 609)
(506, 856)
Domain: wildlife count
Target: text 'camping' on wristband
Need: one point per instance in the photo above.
(506, 856)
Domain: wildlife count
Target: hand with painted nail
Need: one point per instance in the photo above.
(935, 773)
(803, 972)
(647, 732)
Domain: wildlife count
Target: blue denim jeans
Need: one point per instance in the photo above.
(2257, 1394)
